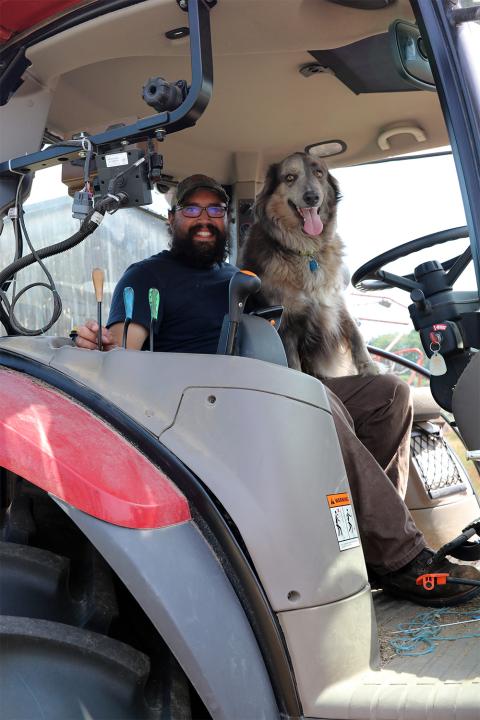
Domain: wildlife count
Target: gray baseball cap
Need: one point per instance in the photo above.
(193, 182)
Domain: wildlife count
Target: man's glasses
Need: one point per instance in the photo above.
(194, 211)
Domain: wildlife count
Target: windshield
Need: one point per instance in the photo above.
(390, 203)
(383, 205)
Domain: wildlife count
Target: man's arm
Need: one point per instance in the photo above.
(112, 337)
(137, 334)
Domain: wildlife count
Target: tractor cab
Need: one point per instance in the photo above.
(168, 545)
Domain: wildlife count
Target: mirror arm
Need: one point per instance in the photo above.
(153, 126)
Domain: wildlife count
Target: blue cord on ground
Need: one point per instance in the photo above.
(421, 635)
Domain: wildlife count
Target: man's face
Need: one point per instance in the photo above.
(201, 241)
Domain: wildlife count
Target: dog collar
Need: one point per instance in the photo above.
(313, 263)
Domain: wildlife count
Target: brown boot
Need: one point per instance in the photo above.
(402, 583)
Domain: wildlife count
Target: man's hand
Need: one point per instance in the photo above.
(87, 337)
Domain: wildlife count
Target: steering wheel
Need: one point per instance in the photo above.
(372, 276)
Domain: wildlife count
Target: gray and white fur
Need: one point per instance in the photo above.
(295, 231)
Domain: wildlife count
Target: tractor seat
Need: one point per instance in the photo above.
(424, 406)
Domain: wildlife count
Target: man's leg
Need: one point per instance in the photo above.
(381, 409)
(392, 544)
(390, 538)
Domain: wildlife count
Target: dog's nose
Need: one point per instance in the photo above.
(311, 198)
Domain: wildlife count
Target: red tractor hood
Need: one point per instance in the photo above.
(15, 16)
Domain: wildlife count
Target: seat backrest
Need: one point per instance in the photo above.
(256, 338)
(466, 403)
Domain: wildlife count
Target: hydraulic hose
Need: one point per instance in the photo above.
(86, 229)
(88, 226)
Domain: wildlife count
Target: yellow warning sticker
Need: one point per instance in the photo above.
(343, 519)
(338, 500)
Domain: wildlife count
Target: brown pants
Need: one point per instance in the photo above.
(373, 418)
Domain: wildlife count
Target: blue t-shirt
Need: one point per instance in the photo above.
(193, 302)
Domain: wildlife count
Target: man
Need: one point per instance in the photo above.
(193, 279)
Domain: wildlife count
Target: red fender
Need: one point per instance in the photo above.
(62, 448)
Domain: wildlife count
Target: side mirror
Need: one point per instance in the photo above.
(410, 55)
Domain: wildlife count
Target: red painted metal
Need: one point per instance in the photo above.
(64, 449)
(19, 15)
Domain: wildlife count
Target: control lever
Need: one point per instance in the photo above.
(128, 299)
(154, 302)
(98, 277)
(243, 284)
(463, 547)
(421, 303)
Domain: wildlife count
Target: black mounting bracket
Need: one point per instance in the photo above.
(186, 115)
(183, 4)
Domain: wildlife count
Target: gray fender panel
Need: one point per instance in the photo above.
(176, 578)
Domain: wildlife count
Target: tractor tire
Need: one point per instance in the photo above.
(36, 584)
(55, 671)
(73, 642)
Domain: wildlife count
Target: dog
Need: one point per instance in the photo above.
(294, 248)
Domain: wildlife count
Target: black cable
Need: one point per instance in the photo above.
(87, 227)
(110, 203)
(57, 302)
(116, 178)
(5, 312)
(17, 235)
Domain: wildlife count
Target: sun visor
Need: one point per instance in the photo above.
(366, 66)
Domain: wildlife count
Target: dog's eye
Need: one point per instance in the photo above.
(318, 172)
(290, 177)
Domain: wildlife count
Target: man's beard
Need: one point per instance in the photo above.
(197, 253)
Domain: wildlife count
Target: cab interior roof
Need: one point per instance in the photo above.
(262, 107)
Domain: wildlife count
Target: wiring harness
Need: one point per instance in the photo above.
(110, 203)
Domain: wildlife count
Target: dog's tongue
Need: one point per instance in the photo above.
(312, 223)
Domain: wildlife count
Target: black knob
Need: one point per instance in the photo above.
(418, 298)
(426, 268)
(421, 303)
(162, 95)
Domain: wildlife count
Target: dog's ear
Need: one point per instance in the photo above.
(337, 195)
(271, 181)
(333, 196)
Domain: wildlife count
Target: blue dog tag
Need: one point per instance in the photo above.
(313, 265)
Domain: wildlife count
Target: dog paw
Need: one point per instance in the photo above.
(370, 368)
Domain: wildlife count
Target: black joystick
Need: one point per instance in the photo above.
(243, 284)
